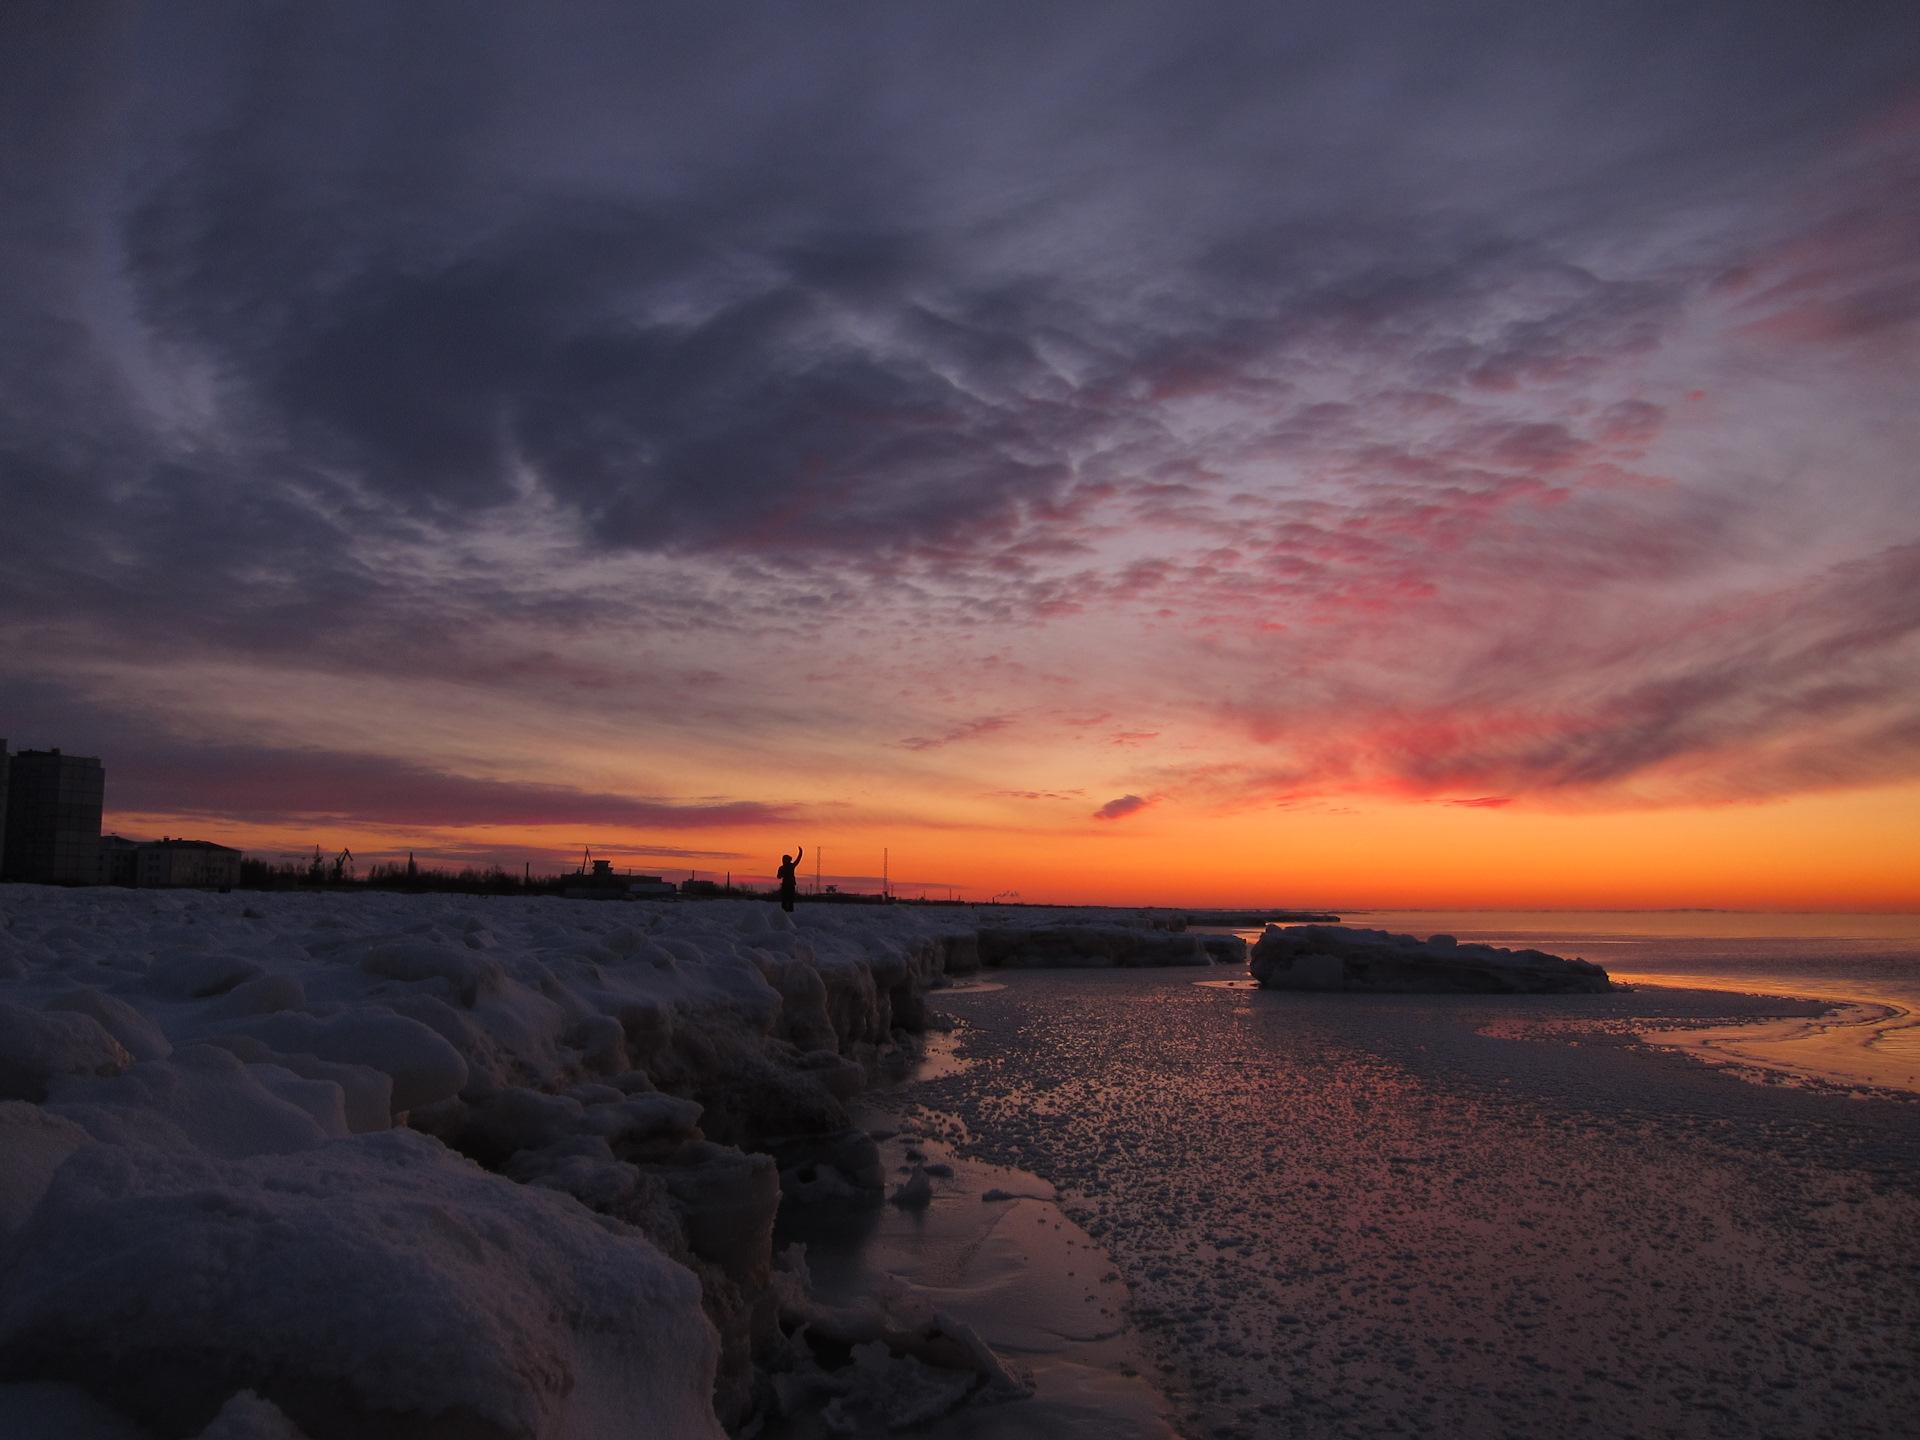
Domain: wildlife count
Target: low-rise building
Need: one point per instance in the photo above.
(168, 862)
(119, 861)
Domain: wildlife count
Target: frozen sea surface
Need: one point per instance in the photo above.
(1868, 956)
(1870, 960)
(1461, 1216)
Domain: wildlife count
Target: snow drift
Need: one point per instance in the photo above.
(493, 1167)
(378, 1165)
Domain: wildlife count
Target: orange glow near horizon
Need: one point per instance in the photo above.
(1852, 851)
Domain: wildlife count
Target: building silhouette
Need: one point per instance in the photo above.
(160, 863)
(119, 861)
(52, 830)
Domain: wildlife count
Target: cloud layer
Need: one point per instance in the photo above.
(1440, 401)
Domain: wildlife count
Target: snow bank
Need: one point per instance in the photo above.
(351, 1165)
(354, 1283)
(1339, 957)
(368, 1162)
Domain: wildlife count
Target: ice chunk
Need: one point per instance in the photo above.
(423, 1066)
(916, 1194)
(140, 1036)
(33, 1144)
(639, 1118)
(895, 1390)
(727, 1202)
(37, 1046)
(842, 1078)
(470, 972)
(247, 1417)
(649, 1028)
(262, 995)
(353, 1285)
(602, 1041)
(323, 1100)
(196, 975)
(365, 1093)
(203, 1093)
(519, 1119)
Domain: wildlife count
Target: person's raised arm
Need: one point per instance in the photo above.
(799, 853)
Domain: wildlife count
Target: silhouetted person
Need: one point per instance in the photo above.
(787, 862)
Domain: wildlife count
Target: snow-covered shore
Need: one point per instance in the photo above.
(269, 1144)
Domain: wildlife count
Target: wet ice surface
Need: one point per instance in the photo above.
(1029, 1281)
(1451, 1215)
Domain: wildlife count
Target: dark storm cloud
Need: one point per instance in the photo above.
(152, 772)
(850, 278)
(261, 786)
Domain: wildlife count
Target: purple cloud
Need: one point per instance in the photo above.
(268, 787)
(1545, 465)
(972, 730)
(1118, 809)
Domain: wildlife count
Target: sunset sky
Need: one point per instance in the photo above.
(1397, 454)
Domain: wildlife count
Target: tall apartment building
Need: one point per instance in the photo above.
(52, 831)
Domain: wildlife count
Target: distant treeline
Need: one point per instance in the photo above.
(494, 880)
(333, 874)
